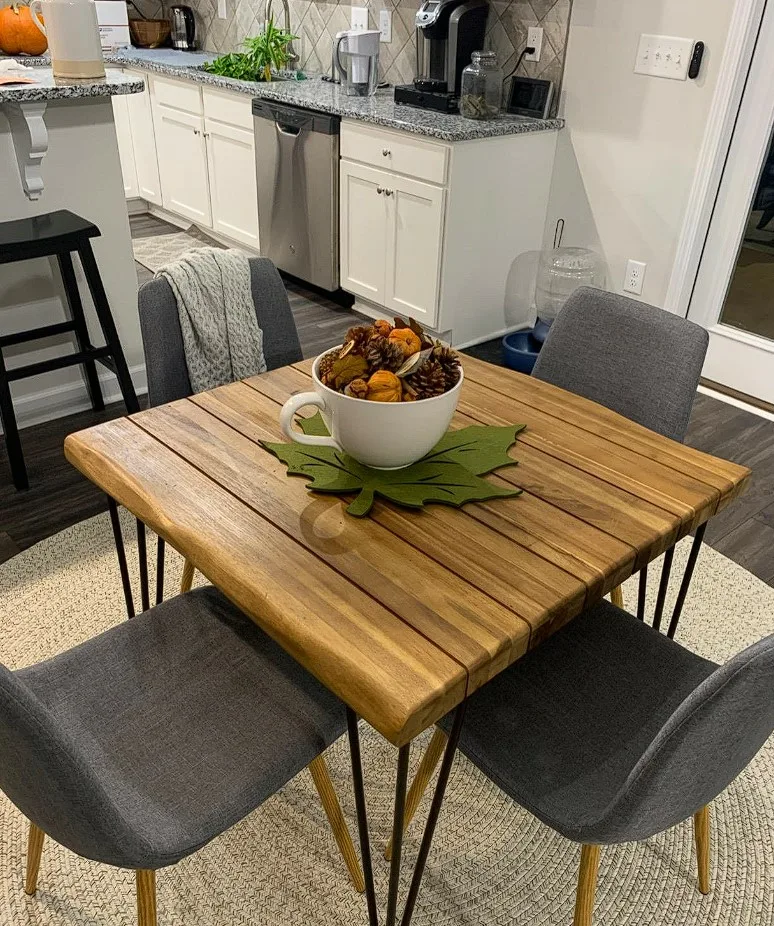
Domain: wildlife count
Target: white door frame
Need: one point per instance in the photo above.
(732, 77)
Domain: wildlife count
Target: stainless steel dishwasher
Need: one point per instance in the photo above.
(297, 165)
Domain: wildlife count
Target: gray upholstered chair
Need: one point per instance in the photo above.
(611, 732)
(141, 745)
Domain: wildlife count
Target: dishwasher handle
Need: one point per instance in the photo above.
(291, 120)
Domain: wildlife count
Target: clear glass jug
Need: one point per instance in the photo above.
(482, 87)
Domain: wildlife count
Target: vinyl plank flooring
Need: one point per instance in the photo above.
(8, 547)
(751, 544)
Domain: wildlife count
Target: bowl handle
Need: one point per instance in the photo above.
(288, 411)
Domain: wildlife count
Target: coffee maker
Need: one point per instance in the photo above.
(447, 34)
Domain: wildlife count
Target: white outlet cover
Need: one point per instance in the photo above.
(664, 56)
(222, 11)
(534, 40)
(385, 25)
(635, 277)
(359, 18)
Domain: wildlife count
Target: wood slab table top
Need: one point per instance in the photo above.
(404, 613)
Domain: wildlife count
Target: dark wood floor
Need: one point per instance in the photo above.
(59, 496)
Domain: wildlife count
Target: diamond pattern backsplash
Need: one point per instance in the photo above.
(318, 21)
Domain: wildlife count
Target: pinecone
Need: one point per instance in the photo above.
(449, 361)
(383, 354)
(360, 335)
(429, 380)
(326, 365)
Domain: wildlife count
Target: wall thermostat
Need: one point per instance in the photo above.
(530, 97)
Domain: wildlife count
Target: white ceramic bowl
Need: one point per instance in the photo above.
(384, 435)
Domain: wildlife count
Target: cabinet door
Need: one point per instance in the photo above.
(363, 230)
(144, 140)
(182, 163)
(414, 248)
(125, 147)
(233, 193)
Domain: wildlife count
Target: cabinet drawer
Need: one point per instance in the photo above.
(396, 151)
(185, 97)
(230, 108)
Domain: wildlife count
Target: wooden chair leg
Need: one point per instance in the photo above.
(701, 834)
(616, 597)
(419, 784)
(188, 574)
(332, 808)
(587, 885)
(34, 850)
(146, 897)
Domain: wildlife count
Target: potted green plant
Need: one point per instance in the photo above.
(265, 55)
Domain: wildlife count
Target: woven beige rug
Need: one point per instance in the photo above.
(491, 865)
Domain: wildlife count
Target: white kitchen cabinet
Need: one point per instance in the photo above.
(364, 231)
(143, 141)
(233, 193)
(182, 158)
(125, 147)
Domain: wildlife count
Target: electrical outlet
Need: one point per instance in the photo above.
(664, 56)
(534, 40)
(635, 277)
(385, 25)
(222, 11)
(359, 18)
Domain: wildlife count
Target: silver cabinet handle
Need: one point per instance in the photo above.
(380, 190)
(196, 132)
(386, 152)
(389, 192)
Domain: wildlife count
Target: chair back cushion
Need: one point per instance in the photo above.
(640, 361)
(704, 745)
(47, 778)
(163, 341)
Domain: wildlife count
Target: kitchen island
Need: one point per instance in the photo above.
(58, 150)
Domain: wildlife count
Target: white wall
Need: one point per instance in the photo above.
(82, 173)
(626, 160)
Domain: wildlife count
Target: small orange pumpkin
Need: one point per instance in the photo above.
(407, 339)
(384, 386)
(18, 32)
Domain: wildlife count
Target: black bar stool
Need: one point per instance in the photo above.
(60, 234)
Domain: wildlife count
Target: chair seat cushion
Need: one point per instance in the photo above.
(190, 717)
(561, 729)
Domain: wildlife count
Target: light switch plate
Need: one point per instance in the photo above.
(534, 40)
(359, 18)
(385, 25)
(664, 56)
(222, 11)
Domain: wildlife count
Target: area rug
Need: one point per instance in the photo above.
(156, 251)
(492, 864)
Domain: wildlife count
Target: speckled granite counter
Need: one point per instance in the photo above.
(315, 93)
(48, 87)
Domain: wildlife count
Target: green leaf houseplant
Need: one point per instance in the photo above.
(264, 56)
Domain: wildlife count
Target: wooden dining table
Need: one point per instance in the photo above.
(405, 613)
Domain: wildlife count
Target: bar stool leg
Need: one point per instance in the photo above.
(101, 304)
(81, 330)
(12, 441)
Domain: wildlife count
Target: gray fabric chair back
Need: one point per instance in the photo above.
(163, 341)
(704, 745)
(638, 360)
(47, 778)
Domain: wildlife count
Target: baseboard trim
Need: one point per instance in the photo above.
(71, 398)
(738, 399)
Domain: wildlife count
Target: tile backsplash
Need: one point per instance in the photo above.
(317, 23)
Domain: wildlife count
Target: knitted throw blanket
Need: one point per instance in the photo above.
(221, 337)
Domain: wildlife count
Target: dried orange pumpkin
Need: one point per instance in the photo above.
(384, 386)
(18, 33)
(409, 341)
(383, 327)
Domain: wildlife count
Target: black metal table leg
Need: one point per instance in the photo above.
(160, 550)
(642, 591)
(685, 584)
(142, 555)
(663, 585)
(397, 833)
(362, 818)
(121, 553)
(435, 811)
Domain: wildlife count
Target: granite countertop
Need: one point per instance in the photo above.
(317, 94)
(48, 87)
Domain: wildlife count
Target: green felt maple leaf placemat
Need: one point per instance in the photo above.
(449, 475)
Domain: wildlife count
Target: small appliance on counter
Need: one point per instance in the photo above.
(183, 25)
(357, 58)
(447, 34)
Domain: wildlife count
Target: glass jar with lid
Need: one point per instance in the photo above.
(482, 87)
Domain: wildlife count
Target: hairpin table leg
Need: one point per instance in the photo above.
(685, 584)
(663, 585)
(121, 553)
(142, 553)
(160, 550)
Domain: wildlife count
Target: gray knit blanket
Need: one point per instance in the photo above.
(221, 337)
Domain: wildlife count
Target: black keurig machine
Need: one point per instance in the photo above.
(447, 34)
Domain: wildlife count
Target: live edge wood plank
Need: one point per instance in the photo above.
(392, 676)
